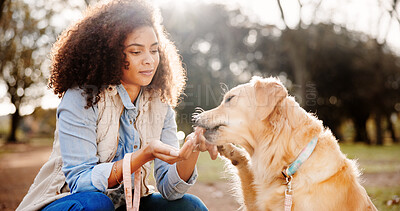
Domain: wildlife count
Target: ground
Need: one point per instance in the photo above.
(20, 163)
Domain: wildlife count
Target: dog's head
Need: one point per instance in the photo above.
(242, 111)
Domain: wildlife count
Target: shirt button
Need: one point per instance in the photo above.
(135, 147)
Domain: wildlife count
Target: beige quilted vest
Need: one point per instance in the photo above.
(49, 185)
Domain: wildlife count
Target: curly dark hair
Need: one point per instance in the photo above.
(89, 54)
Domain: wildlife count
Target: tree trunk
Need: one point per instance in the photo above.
(378, 122)
(297, 54)
(1, 7)
(391, 129)
(361, 131)
(14, 125)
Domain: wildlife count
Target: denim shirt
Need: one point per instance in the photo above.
(77, 135)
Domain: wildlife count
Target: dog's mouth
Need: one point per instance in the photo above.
(213, 129)
(210, 130)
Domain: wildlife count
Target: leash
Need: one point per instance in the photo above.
(292, 169)
(132, 204)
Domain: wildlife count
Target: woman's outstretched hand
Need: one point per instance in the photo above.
(197, 142)
(194, 142)
(164, 152)
(188, 147)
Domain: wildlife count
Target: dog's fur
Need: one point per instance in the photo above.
(273, 129)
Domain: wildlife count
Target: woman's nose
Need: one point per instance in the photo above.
(148, 59)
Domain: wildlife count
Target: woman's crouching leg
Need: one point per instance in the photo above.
(157, 203)
(90, 201)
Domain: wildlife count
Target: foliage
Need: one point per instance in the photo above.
(24, 49)
(336, 73)
(28, 29)
(354, 76)
(359, 61)
(23, 54)
(219, 52)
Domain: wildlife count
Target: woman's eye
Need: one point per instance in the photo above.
(229, 98)
(135, 52)
(154, 51)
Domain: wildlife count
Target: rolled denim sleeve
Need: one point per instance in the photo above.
(77, 136)
(170, 185)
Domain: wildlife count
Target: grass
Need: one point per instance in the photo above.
(377, 159)
(372, 159)
(380, 195)
(210, 170)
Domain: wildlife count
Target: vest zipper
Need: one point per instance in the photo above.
(112, 155)
(144, 177)
(134, 125)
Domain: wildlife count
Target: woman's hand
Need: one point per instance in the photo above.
(164, 152)
(194, 142)
(200, 143)
(189, 155)
(188, 147)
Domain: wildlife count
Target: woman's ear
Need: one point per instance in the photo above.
(268, 93)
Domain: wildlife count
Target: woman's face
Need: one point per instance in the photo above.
(141, 49)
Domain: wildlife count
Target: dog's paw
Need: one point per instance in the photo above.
(237, 155)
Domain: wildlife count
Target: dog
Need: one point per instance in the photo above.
(272, 130)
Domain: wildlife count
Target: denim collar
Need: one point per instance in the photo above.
(126, 100)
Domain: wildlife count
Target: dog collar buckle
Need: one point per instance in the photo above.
(284, 173)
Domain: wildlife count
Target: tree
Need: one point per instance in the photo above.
(1, 7)
(352, 82)
(22, 57)
(350, 70)
(224, 48)
(28, 31)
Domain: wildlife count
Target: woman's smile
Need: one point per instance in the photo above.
(147, 72)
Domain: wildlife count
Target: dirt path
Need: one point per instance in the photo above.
(19, 166)
(17, 171)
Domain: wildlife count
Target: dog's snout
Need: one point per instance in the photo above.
(196, 117)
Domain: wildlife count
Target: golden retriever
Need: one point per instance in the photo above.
(273, 129)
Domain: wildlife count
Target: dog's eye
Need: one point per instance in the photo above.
(229, 98)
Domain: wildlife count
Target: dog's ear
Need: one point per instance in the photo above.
(268, 93)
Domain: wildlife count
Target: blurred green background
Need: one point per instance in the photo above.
(340, 59)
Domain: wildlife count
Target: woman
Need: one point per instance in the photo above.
(119, 77)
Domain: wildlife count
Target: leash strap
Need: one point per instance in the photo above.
(288, 194)
(132, 204)
(288, 201)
